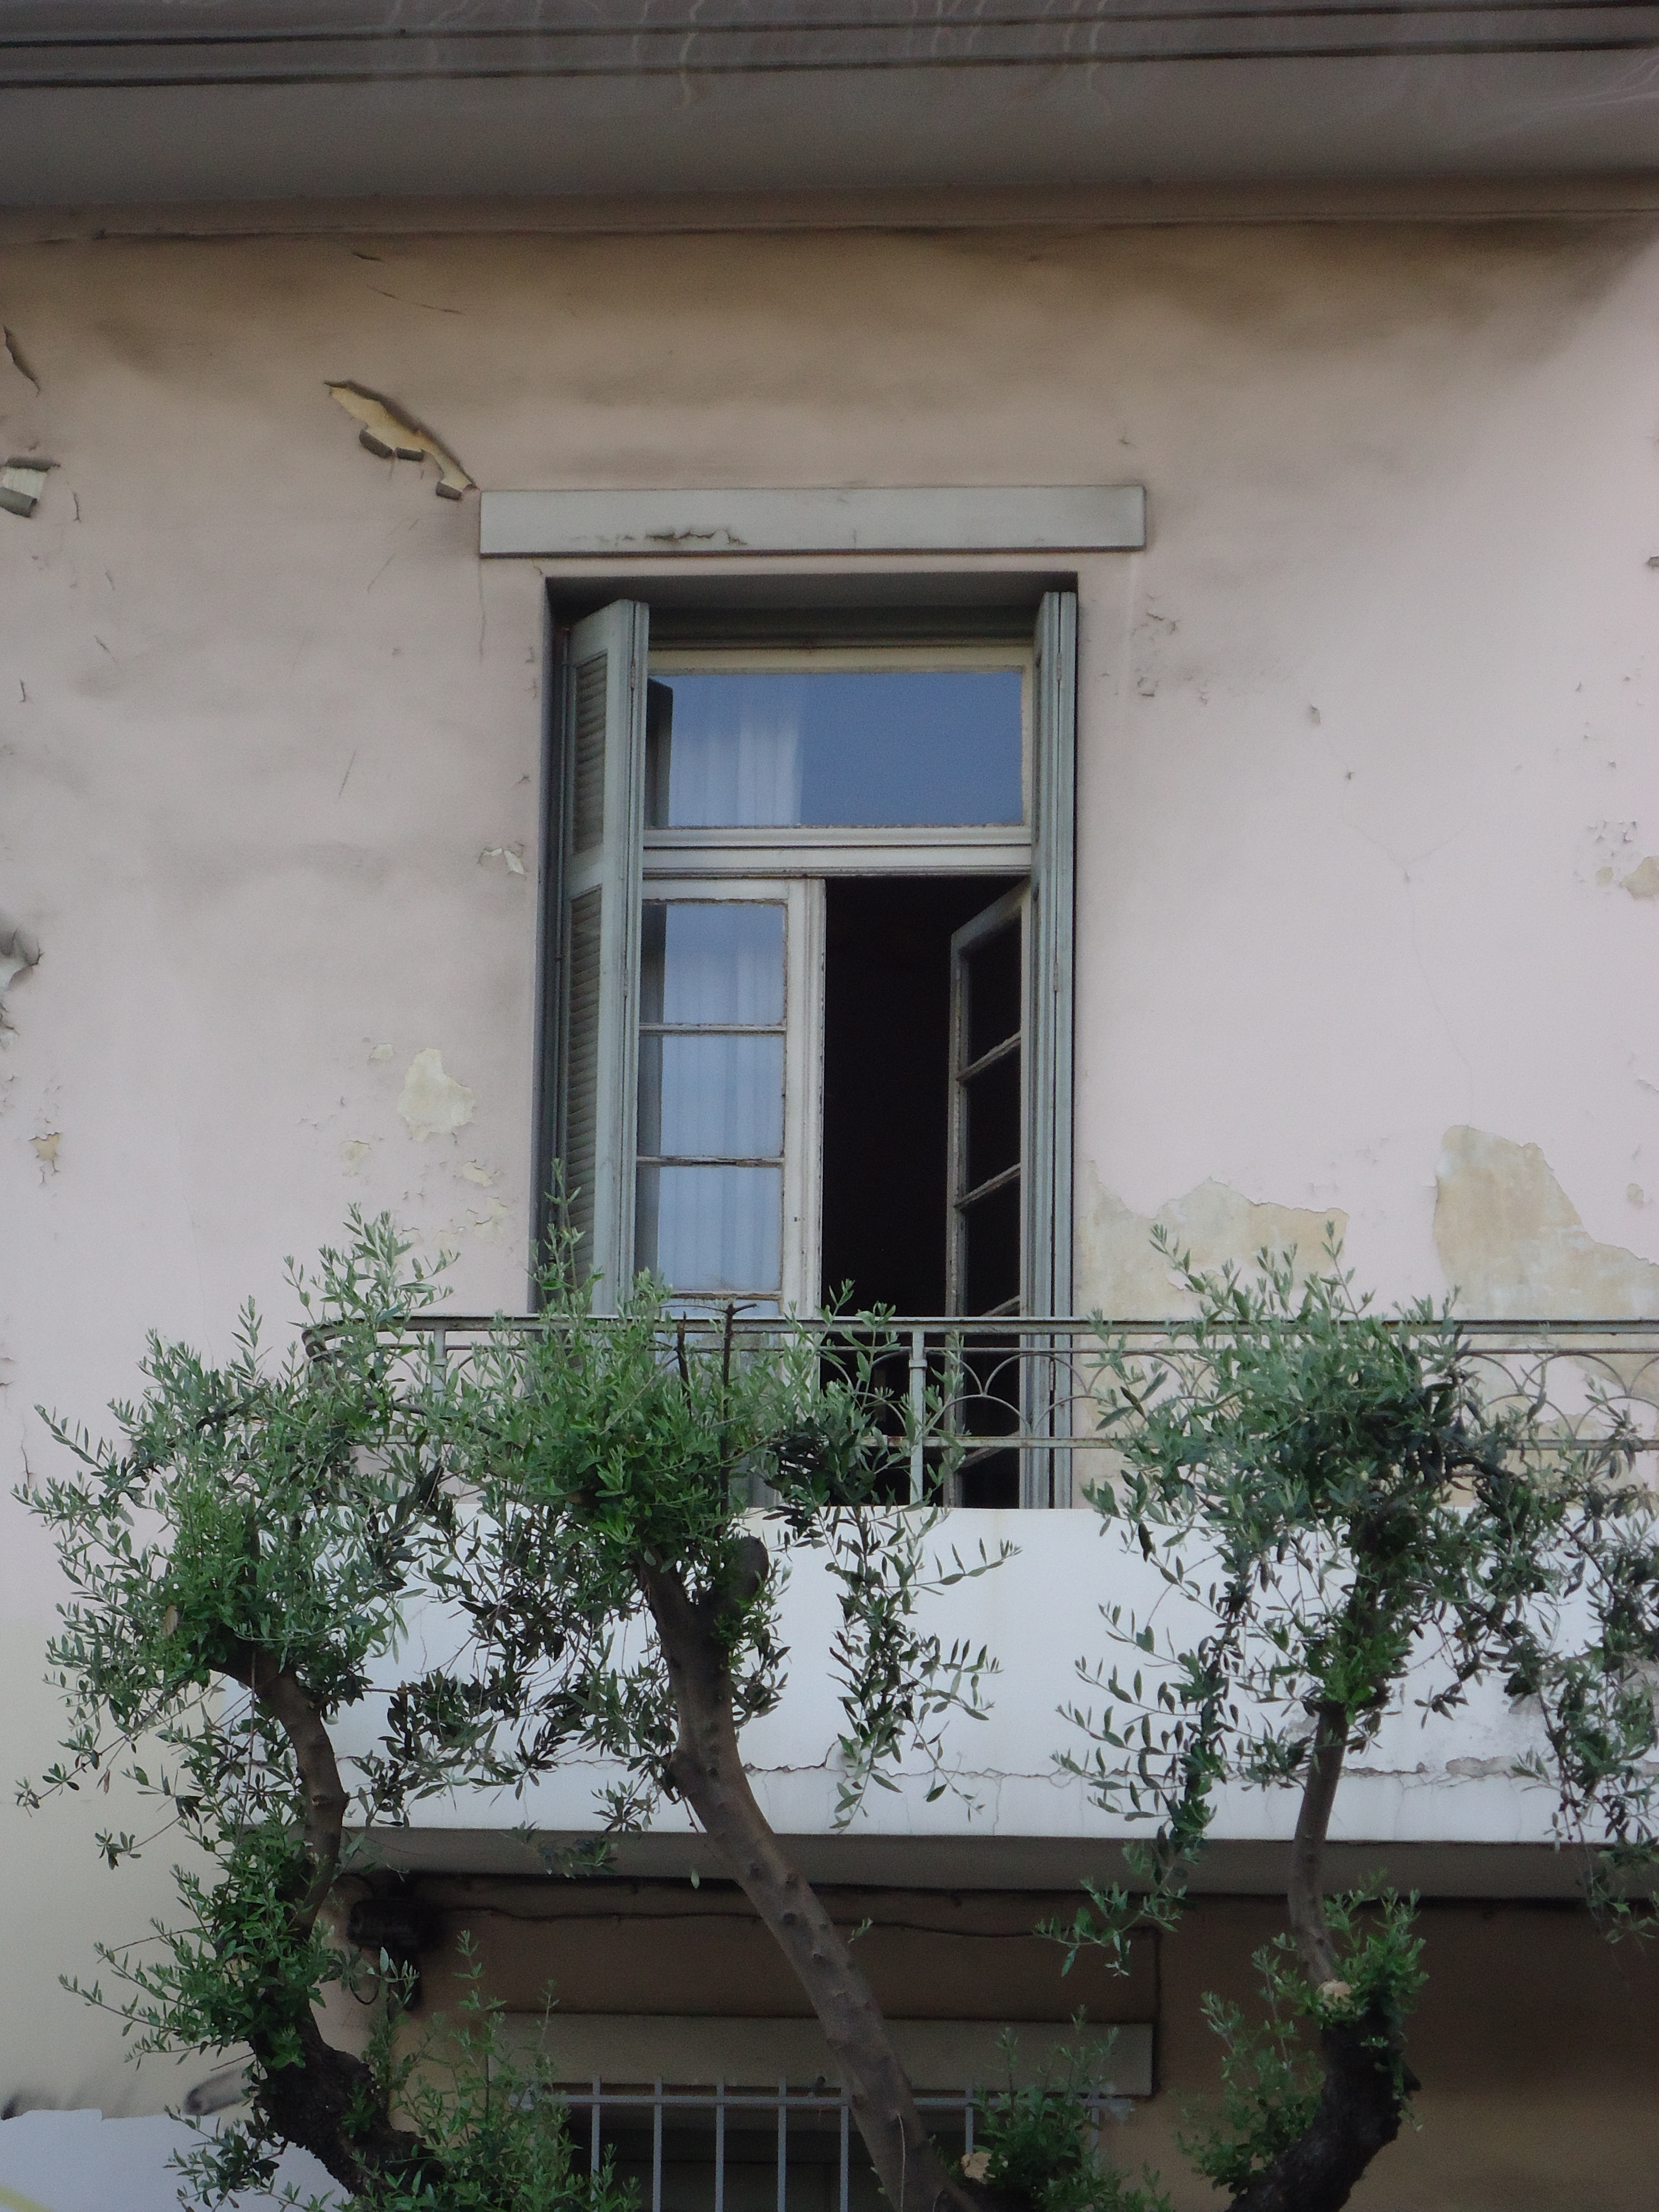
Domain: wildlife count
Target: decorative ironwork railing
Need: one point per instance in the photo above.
(1004, 1412)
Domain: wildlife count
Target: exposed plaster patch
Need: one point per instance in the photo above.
(434, 1104)
(513, 855)
(1642, 881)
(353, 1153)
(395, 436)
(45, 1151)
(1512, 1243)
(22, 480)
(472, 1171)
(379, 1052)
(1120, 1274)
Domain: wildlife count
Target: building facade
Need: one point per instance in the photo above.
(1028, 630)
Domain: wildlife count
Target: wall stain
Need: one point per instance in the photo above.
(1512, 1243)
(1120, 1274)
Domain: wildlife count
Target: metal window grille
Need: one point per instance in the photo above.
(632, 2123)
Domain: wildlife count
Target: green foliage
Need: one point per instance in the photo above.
(1340, 1522)
(1271, 2074)
(1038, 2144)
(1339, 1525)
(244, 1558)
(495, 2122)
(592, 1446)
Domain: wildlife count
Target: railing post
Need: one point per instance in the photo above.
(845, 2147)
(593, 2132)
(783, 2146)
(719, 2144)
(918, 1414)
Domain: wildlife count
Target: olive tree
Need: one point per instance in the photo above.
(1344, 1524)
(576, 1499)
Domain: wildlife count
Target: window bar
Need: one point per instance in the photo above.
(918, 1414)
(720, 2145)
(594, 2130)
(968, 2121)
(846, 2149)
(656, 2149)
(783, 2148)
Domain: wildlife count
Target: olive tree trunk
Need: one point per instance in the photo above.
(1366, 2083)
(708, 1772)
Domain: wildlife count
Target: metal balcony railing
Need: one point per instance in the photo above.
(1003, 1412)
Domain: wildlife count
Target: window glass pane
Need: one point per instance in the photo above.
(702, 962)
(991, 1227)
(712, 1229)
(994, 990)
(993, 1133)
(865, 748)
(713, 1098)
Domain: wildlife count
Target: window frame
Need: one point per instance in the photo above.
(803, 903)
(1041, 851)
(819, 849)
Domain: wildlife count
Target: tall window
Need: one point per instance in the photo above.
(807, 1020)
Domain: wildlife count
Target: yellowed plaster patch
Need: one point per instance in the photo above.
(490, 1225)
(353, 1153)
(475, 1171)
(1512, 1243)
(433, 1104)
(1120, 1274)
(1642, 881)
(46, 1150)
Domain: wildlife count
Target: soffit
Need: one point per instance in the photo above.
(123, 100)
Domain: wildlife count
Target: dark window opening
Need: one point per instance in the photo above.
(887, 1084)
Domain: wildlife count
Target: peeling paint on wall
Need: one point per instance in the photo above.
(1512, 1243)
(393, 435)
(353, 1153)
(1118, 1272)
(22, 480)
(12, 352)
(1642, 881)
(433, 1104)
(490, 1225)
(20, 951)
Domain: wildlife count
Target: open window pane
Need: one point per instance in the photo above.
(713, 1229)
(888, 748)
(706, 963)
(711, 1097)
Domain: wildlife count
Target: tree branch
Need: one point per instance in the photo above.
(1363, 2097)
(1313, 1820)
(329, 2103)
(706, 1770)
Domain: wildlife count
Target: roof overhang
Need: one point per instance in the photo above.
(144, 100)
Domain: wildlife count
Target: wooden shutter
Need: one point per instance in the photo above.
(593, 840)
